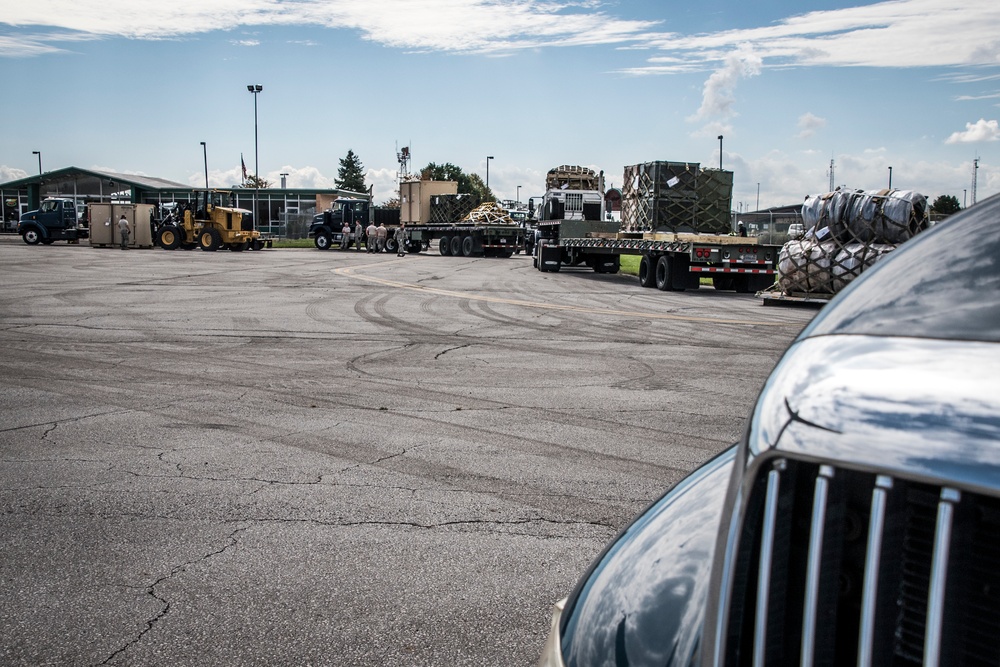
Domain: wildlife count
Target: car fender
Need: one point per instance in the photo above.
(643, 600)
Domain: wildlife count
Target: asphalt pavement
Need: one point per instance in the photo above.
(297, 457)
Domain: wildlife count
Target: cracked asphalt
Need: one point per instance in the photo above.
(295, 457)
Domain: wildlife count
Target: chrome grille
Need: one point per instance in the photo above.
(836, 566)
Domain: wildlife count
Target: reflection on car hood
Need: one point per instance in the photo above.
(928, 407)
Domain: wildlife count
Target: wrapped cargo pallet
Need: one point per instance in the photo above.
(676, 197)
(875, 216)
(804, 267)
(854, 258)
(847, 232)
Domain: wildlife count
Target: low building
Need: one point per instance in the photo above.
(284, 212)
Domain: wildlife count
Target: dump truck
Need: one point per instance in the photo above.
(211, 225)
(56, 219)
(675, 215)
(845, 232)
(435, 216)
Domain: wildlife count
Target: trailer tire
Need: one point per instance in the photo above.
(468, 246)
(413, 247)
(169, 238)
(210, 240)
(444, 246)
(663, 277)
(31, 236)
(391, 246)
(322, 241)
(456, 246)
(647, 271)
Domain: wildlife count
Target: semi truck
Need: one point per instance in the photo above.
(435, 216)
(56, 219)
(675, 215)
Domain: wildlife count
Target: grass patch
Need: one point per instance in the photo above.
(630, 264)
(293, 243)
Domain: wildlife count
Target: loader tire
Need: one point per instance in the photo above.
(169, 238)
(210, 240)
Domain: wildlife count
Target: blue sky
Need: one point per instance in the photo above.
(133, 86)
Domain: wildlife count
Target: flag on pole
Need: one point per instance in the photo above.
(244, 165)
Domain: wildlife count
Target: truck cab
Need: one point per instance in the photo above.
(326, 228)
(55, 220)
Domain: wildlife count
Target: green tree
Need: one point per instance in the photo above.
(252, 181)
(946, 205)
(467, 183)
(351, 175)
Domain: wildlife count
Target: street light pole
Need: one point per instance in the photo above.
(519, 195)
(720, 152)
(255, 89)
(39, 154)
(488, 158)
(204, 150)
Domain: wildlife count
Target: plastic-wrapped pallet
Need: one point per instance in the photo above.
(854, 258)
(875, 216)
(846, 233)
(804, 266)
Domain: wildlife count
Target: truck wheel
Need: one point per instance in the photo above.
(663, 273)
(456, 246)
(168, 238)
(647, 271)
(413, 247)
(31, 236)
(468, 246)
(444, 246)
(322, 241)
(210, 239)
(391, 246)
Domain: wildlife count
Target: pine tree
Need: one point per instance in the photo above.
(351, 175)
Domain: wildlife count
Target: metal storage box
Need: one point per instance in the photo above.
(104, 224)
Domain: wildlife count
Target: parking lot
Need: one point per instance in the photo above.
(294, 457)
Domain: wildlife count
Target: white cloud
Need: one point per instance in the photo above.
(809, 124)
(719, 92)
(12, 173)
(895, 33)
(981, 130)
(430, 25)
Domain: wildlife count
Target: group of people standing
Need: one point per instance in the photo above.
(374, 237)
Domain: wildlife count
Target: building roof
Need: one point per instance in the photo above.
(140, 180)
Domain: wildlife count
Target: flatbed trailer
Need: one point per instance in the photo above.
(468, 240)
(670, 261)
